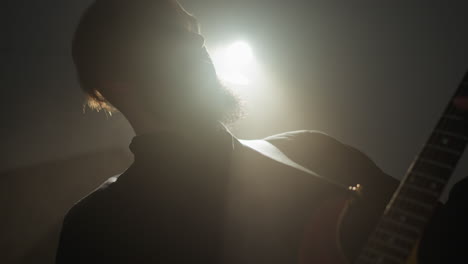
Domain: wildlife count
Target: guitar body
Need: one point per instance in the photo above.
(321, 237)
(321, 243)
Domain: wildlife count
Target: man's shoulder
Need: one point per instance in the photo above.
(300, 145)
(316, 143)
(298, 135)
(327, 156)
(307, 142)
(92, 201)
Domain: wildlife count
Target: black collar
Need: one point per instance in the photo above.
(217, 138)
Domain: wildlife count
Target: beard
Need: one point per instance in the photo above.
(188, 92)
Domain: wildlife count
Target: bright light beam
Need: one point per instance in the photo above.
(234, 63)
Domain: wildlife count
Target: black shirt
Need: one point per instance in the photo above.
(205, 198)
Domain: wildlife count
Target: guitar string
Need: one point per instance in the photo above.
(436, 137)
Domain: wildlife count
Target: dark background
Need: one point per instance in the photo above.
(374, 74)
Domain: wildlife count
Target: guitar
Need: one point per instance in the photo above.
(396, 236)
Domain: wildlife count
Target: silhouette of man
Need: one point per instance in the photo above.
(195, 193)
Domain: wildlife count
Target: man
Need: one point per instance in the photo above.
(195, 193)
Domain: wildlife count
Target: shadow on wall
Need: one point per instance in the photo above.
(34, 200)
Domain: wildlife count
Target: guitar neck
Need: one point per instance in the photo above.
(414, 202)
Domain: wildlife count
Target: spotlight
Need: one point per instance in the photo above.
(239, 53)
(234, 62)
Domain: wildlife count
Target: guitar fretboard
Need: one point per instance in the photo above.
(414, 202)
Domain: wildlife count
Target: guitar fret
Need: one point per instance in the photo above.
(417, 188)
(420, 196)
(419, 193)
(425, 182)
(382, 235)
(401, 224)
(416, 203)
(427, 176)
(393, 226)
(451, 134)
(453, 126)
(436, 163)
(444, 149)
(386, 234)
(406, 219)
(447, 159)
(411, 214)
(383, 257)
(455, 144)
(393, 238)
(390, 249)
(454, 117)
(416, 208)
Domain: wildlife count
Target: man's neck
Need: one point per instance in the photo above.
(142, 123)
(145, 124)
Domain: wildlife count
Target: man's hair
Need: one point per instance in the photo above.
(106, 30)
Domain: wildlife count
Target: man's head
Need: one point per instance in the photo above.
(147, 56)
